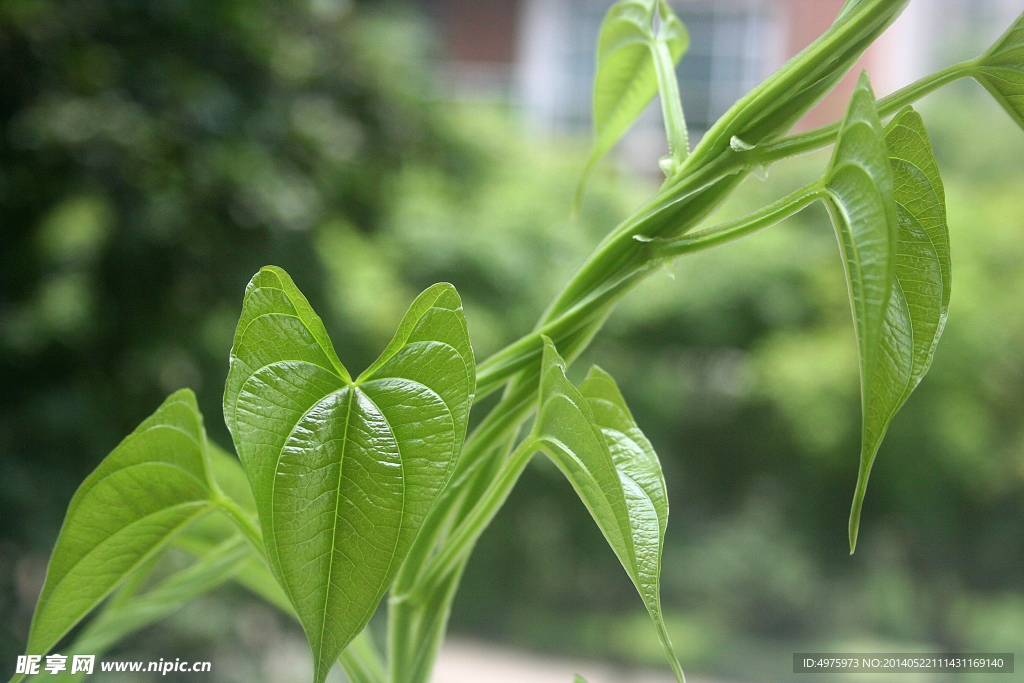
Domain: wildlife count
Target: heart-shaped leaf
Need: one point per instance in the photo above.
(627, 79)
(1001, 70)
(591, 436)
(149, 487)
(343, 471)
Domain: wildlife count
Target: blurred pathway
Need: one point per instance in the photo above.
(466, 661)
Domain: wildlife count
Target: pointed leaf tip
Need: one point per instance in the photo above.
(859, 183)
(129, 508)
(589, 433)
(889, 210)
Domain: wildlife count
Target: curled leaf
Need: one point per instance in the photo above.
(888, 206)
(863, 209)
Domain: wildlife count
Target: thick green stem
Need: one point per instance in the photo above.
(426, 585)
(826, 135)
(246, 524)
(361, 661)
(497, 369)
(458, 545)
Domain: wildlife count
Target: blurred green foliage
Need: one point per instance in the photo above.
(154, 154)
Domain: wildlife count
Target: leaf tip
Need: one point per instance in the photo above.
(854, 525)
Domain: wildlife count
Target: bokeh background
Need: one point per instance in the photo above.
(155, 153)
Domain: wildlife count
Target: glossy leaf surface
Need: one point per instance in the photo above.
(626, 79)
(1001, 70)
(919, 301)
(863, 209)
(344, 471)
(149, 487)
(591, 436)
(859, 183)
(888, 206)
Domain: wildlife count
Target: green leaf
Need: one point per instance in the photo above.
(897, 351)
(344, 471)
(919, 301)
(1001, 70)
(149, 487)
(626, 79)
(230, 477)
(591, 436)
(922, 289)
(129, 613)
(859, 183)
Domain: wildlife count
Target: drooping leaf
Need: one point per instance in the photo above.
(919, 301)
(1001, 70)
(922, 253)
(626, 80)
(862, 204)
(860, 188)
(591, 436)
(149, 487)
(344, 471)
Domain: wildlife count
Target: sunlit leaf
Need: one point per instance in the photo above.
(149, 487)
(591, 436)
(626, 79)
(1001, 70)
(135, 611)
(344, 471)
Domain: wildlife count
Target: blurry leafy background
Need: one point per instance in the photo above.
(154, 154)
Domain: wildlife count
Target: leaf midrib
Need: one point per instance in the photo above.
(76, 501)
(334, 527)
(119, 470)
